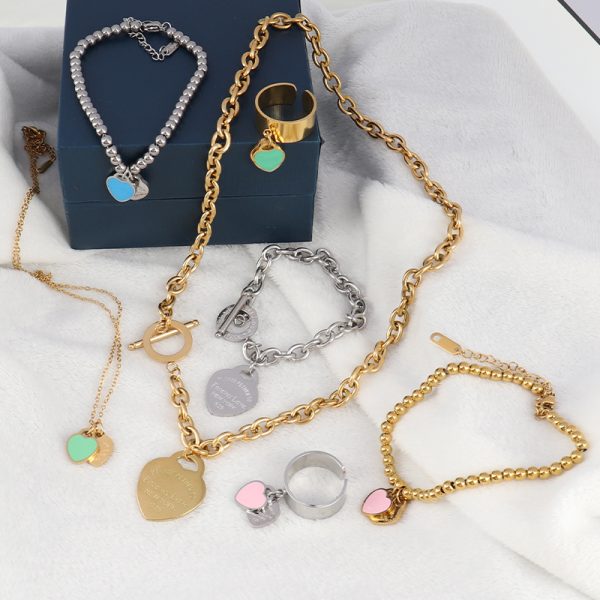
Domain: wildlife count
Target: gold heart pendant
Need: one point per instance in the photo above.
(167, 490)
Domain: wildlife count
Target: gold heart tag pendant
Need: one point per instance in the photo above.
(168, 490)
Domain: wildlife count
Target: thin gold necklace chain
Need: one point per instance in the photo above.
(220, 143)
(36, 148)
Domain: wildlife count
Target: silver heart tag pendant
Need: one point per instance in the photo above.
(231, 392)
(141, 188)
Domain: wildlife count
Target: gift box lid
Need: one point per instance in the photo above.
(134, 96)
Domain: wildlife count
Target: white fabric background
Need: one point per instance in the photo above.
(523, 284)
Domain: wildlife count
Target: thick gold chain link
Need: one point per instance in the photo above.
(220, 142)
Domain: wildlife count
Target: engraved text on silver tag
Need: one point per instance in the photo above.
(231, 392)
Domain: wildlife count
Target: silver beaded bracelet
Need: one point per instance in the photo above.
(232, 392)
(126, 183)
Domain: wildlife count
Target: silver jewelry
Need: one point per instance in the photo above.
(126, 183)
(231, 392)
(261, 501)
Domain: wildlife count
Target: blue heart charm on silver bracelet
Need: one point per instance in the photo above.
(123, 189)
(120, 188)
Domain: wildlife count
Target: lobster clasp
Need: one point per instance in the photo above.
(544, 405)
(152, 26)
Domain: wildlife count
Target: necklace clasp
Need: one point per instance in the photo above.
(152, 26)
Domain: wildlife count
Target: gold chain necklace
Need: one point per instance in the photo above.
(166, 489)
(90, 445)
(385, 506)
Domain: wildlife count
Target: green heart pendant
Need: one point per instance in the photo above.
(267, 156)
(81, 447)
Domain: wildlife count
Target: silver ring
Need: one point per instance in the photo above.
(318, 459)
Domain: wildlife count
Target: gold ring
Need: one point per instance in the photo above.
(268, 155)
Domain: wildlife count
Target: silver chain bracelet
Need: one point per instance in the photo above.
(232, 392)
(126, 183)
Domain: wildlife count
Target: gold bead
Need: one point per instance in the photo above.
(537, 389)
(385, 449)
(463, 367)
(496, 476)
(507, 376)
(432, 381)
(497, 375)
(441, 374)
(582, 446)
(508, 474)
(570, 430)
(452, 369)
(556, 468)
(438, 491)
(388, 459)
(385, 438)
(386, 427)
(486, 373)
(424, 388)
(399, 409)
(447, 487)
(527, 384)
(544, 472)
(475, 370)
(562, 426)
(388, 470)
(391, 417)
(576, 436)
(408, 401)
(520, 473)
(567, 463)
(485, 478)
(421, 495)
(417, 396)
(459, 483)
(472, 481)
(518, 379)
(394, 480)
(577, 456)
(533, 473)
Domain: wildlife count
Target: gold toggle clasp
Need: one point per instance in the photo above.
(154, 334)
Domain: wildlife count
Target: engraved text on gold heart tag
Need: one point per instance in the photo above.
(167, 490)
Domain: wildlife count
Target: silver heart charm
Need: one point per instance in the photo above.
(141, 188)
(231, 392)
(264, 516)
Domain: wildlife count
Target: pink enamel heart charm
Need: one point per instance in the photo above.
(252, 496)
(376, 502)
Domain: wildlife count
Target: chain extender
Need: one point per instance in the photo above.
(411, 280)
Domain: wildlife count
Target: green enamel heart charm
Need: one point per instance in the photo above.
(81, 447)
(267, 156)
(269, 160)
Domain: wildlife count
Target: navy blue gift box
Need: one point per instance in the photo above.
(134, 96)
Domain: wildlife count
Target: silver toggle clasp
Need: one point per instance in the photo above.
(244, 301)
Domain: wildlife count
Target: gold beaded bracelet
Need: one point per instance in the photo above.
(384, 506)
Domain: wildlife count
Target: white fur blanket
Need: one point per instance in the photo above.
(524, 285)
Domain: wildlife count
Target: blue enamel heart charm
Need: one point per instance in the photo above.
(123, 190)
(119, 188)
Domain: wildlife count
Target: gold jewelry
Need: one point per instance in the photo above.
(268, 155)
(385, 506)
(90, 445)
(196, 447)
